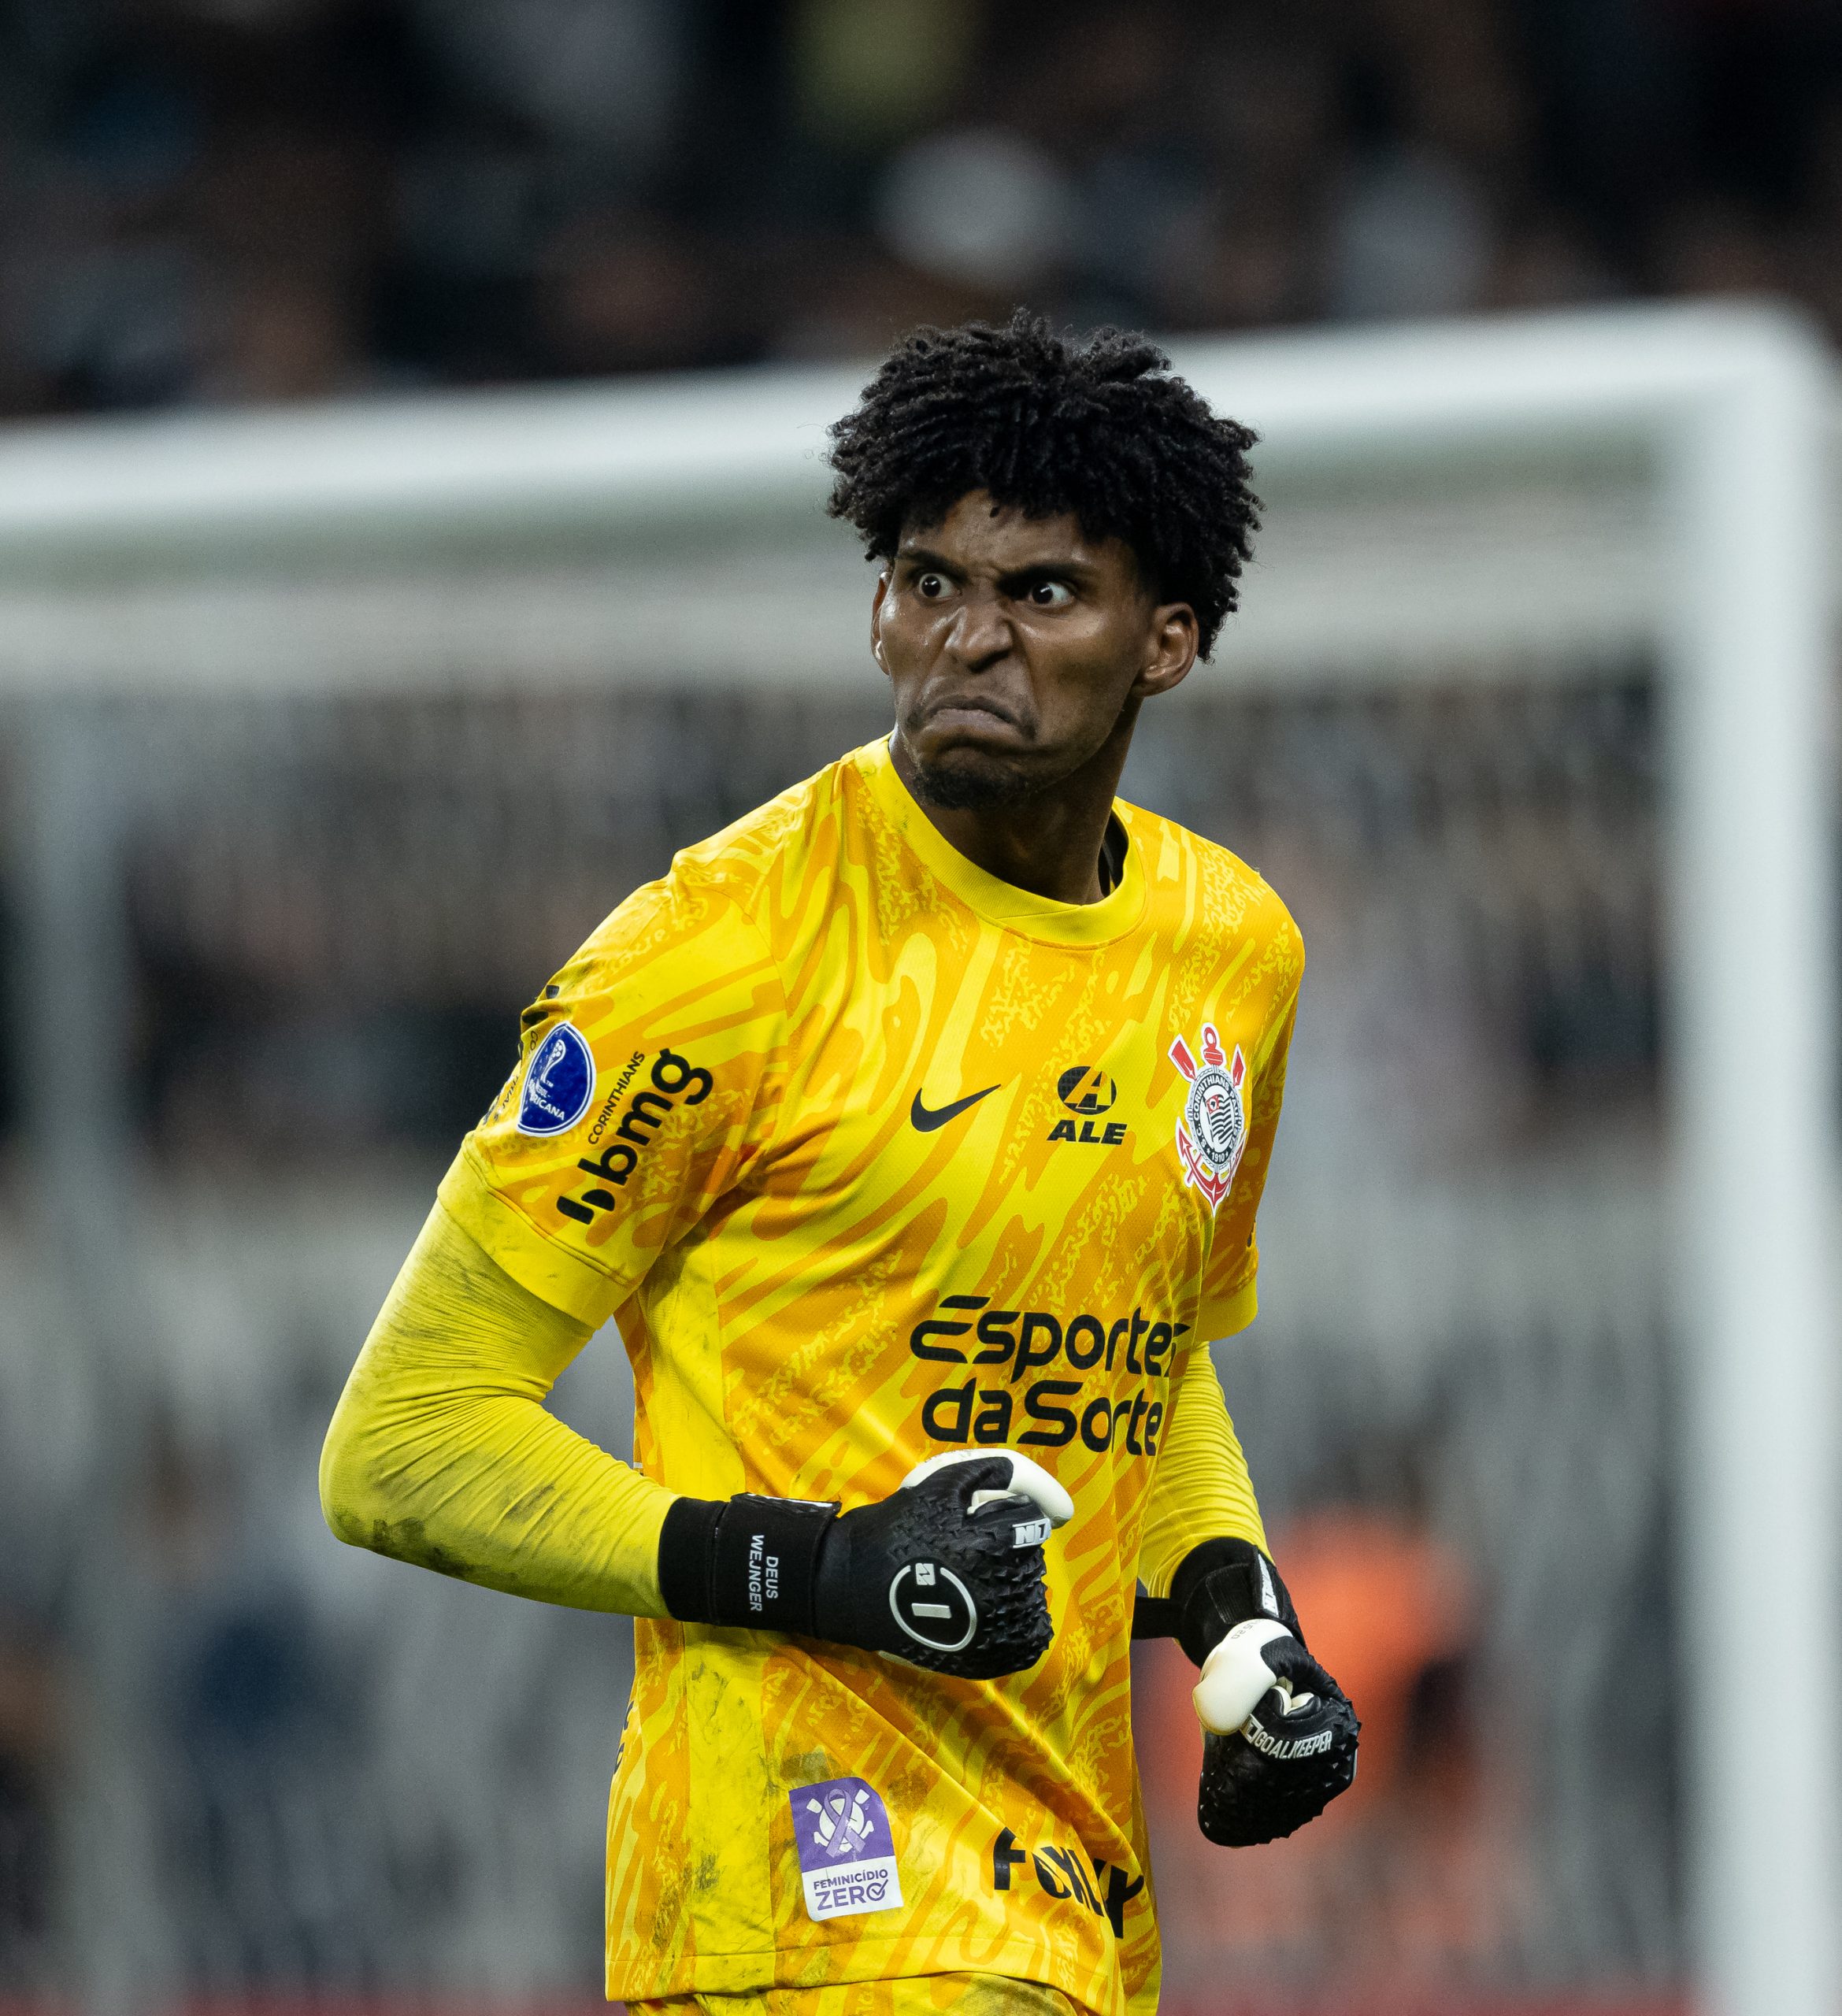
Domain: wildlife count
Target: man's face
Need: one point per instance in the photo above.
(1014, 645)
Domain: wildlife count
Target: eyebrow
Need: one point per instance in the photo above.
(923, 555)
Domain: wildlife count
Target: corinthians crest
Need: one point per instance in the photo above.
(1212, 1130)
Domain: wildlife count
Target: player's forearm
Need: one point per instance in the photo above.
(441, 1452)
(1202, 1490)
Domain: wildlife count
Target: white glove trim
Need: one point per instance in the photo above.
(1235, 1678)
(1029, 1482)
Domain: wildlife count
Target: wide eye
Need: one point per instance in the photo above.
(930, 588)
(1050, 595)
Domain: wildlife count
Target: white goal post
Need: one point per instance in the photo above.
(1670, 493)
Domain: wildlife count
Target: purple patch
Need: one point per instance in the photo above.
(847, 1851)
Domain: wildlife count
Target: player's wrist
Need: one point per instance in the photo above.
(687, 1546)
(1223, 1583)
(748, 1562)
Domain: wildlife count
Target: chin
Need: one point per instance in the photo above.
(964, 782)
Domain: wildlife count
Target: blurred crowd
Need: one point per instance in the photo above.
(228, 200)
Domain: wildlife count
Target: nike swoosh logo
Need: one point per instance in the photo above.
(926, 1121)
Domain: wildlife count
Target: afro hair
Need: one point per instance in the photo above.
(1098, 429)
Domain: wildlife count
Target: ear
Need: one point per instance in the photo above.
(1171, 650)
(877, 620)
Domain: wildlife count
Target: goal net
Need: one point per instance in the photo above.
(331, 734)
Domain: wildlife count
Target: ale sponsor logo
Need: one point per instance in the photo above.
(1087, 1093)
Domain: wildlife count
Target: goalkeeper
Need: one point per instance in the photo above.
(913, 1131)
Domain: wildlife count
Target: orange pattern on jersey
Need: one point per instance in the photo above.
(820, 1281)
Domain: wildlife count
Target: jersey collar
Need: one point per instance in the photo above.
(999, 903)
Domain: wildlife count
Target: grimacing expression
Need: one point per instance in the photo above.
(1013, 646)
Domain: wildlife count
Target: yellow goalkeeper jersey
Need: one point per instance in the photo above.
(872, 1155)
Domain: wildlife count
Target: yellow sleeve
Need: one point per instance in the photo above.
(1229, 1303)
(1201, 1490)
(442, 1453)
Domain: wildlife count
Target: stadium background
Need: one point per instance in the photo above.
(295, 1773)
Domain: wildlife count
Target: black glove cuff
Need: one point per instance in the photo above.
(745, 1561)
(687, 1545)
(1222, 1584)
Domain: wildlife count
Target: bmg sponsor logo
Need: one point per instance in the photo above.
(674, 1081)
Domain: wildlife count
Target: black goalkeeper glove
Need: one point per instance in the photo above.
(947, 1573)
(1279, 1734)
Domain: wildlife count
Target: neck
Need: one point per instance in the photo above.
(1048, 844)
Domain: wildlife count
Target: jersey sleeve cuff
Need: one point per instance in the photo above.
(576, 1286)
(1223, 1316)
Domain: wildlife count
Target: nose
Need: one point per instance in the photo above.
(981, 634)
